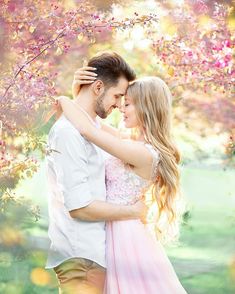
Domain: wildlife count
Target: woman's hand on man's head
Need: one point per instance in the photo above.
(83, 76)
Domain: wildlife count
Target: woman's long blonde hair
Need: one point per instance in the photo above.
(152, 99)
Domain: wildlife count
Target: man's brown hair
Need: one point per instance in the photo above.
(110, 67)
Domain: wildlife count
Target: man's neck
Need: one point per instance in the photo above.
(86, 104)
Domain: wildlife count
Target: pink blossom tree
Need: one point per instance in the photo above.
(194, 53)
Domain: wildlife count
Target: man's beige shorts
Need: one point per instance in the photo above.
(80, 276)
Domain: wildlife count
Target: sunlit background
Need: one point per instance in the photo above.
(190, 44)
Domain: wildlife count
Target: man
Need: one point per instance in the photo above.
(76, 174)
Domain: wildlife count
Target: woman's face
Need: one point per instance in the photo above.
(129, 113)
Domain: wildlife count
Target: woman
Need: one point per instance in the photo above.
(136, 263)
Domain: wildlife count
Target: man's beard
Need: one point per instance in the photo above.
(99, 106)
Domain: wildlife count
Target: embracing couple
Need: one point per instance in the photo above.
(98, 178)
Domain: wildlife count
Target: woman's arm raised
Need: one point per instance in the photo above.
(128, 151)
(114, 131)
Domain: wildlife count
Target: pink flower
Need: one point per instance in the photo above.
(217, 48)
(227, 43)
(200, 7)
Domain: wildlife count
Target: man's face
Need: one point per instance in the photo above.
(111, 98)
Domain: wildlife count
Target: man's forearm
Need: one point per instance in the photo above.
(104, 211)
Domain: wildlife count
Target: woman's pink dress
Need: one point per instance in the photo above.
(136, 262)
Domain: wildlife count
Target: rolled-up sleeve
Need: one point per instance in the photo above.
(71, 168)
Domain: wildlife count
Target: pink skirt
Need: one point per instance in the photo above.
(136, 263)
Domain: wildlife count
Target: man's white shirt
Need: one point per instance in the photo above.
(76, 177)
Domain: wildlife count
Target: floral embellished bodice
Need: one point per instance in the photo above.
(123, 186)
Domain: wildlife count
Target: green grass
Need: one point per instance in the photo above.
(203, 261)
(207, 243)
